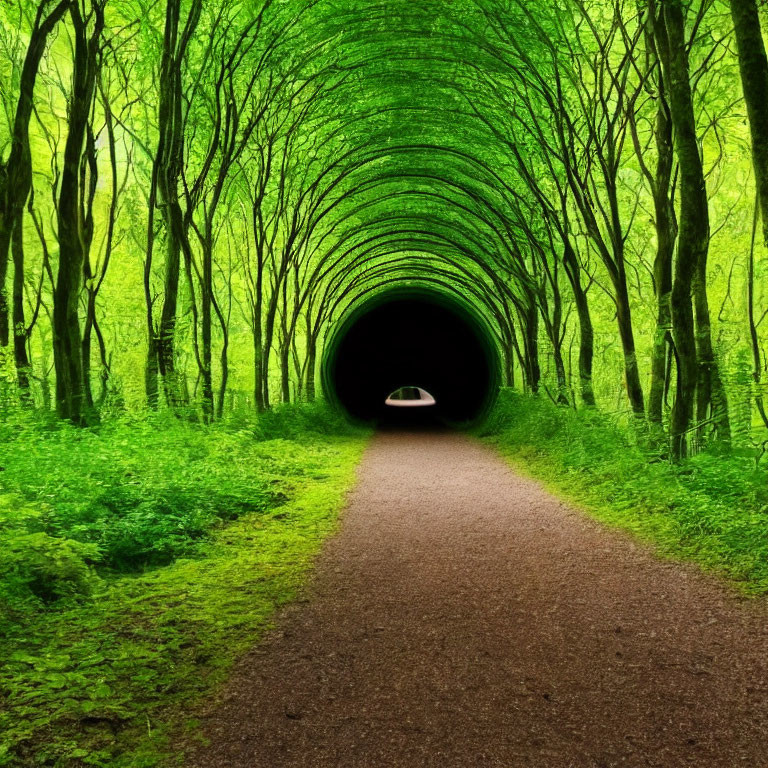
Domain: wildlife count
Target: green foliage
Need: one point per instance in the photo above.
(37, 569)
(712, 509)
(145, 492)
(101, 664)
(294, 421)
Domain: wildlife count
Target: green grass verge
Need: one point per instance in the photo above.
(712, 509)
(103, 676)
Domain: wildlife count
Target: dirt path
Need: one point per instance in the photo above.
(464, 617)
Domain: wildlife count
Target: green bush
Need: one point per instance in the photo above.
(39, 566)
(138, 494)
(294, 421)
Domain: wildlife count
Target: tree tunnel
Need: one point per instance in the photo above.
(412, 339)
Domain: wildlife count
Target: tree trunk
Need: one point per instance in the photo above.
(753, 64)
(90, 313)
(757, 362)
(258, 386)
(16, 172)
(586, 330)
(20, 338)
(206, 300)
(627, 336)
(67, 342)
(562, 379)
(711, 399)
(169, 160)
(285, 371)
(693, 237)
(666, 234)
(531, 345)
(166, 335)
(311, 370)
(269, 335)
(224, 362)
(5, 238)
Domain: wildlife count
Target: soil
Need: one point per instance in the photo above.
(463, 616)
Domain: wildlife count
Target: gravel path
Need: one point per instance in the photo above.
(465, 617)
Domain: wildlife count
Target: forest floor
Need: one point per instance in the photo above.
(464, 616)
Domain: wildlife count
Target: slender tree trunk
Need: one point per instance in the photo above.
(586, 330)
(258, 386)
(562, 379)
(90, 314)
(224, 362)
(694, 223)
(206, 327)
(659, 353)
(20, 338)
(531, 345)
(269, 335)
(757, 362)
(168, 166)
(310, 389)
(285, 371)
(67, 342)
(285, 347)
(5, 238)
(16, 172)
(627, 336)
(753, 64)
(151, 369)
(166, 336)
(711, 399)
(311, 371)
(666, 234)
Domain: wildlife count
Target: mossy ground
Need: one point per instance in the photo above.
(103, 678)
(711, 509)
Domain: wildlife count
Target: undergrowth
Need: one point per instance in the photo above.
(711, 509)
(139, 560)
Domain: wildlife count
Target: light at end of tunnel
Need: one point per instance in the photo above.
(410, 397)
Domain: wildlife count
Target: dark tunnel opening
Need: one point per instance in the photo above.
(412, 340)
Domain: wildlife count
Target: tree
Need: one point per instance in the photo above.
(74, 224)
(16, 170)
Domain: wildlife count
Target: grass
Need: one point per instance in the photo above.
(712, 509)
(144, 559)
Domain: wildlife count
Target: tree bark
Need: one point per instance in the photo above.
(693, 237)
(530, 325)
(206, 302)
(16, 171)
(169, 160)
(753, 64)
(711, 398)
(586, 330)
(665, 223)
(20, 336)
(67, 342)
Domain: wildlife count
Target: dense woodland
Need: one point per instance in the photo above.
(192, 192)
(195, 193)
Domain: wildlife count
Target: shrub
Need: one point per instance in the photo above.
(37, 570)
(138, 494)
